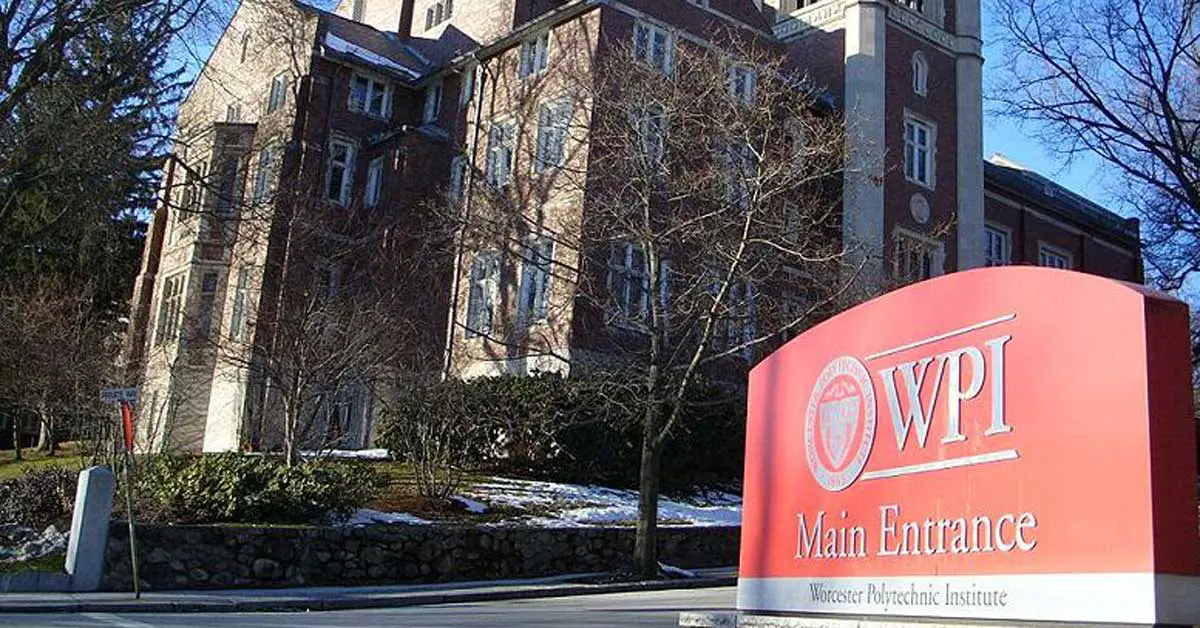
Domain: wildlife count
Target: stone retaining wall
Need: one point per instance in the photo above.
(209, 557)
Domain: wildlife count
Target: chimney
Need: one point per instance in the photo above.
(404, 28)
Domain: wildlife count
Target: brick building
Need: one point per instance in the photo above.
(382, 104)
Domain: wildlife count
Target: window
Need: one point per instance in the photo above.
(735, 325)
(227, 187)
(468, 84)
(340, 172)
(740, 165)
(170, 307)
(500, 154)
(237, 319)
(433, 103)
(920, 73)
(791, 221)
(998, 250)
(628, 281)
(245, 48)
(458, 177)
(535, 54)
(264, 176)
(208, 300)
(278, 94)
(370, 97)
(553, 121)
(918, 151)
(742, 82)
(357, 9)
(485, 286)
(699, 3)
(1052, 257)
(374, 182)
(438, 12)
(917, 258)
(233, 113)
(535, 280)
(652, 129)
(654, 45)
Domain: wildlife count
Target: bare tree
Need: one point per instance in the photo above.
(1120, 80)
(710, 228)
(55, 355)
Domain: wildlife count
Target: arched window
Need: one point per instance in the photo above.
(920, 73)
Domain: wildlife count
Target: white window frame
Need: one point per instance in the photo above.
(623, 274)
(501, 153)
(483, 288)
(438, 13)
(233, 113)
(920, 73)
(1000, 236)
(170, 308)
(652, 130)
(374, 188)
(535, 56)
(1048, 253)
(554, 120)
(277, 96)
(645, 35)
(374, 90)
(743, 82)
(264, 175)
(347, 171)
(537, 261)
(432, 107)
(917, 154)
(922, 244)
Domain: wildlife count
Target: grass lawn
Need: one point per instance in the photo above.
(51, 563)
(68, 457)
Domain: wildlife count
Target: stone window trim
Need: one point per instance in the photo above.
(912, 252)
(1051, 256)
(170, 308)
(483, 290)
(997, 244)
(920, 158)
(920, 73)
(535, 55)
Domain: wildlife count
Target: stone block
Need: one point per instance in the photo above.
(89, 528)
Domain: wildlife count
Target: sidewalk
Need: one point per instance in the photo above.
(342, 598)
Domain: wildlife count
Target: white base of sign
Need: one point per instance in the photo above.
(1123, 598)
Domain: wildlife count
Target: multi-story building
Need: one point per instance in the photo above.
(380, 105)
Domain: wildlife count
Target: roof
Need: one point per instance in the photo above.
(358, 43)
(1000, 172)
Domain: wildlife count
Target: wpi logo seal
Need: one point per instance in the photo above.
(839, 426)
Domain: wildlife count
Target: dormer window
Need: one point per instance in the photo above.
(920, 74)
(371, 97)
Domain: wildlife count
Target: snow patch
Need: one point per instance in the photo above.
(366, 516)
(678, 572)
(357, 454)
(471, 505)
(341, 45)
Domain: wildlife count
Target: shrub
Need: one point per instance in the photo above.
(236, 488)
(584, 430)
(39, 498)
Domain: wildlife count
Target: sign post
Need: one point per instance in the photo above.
(1002, 444)
(126, 397)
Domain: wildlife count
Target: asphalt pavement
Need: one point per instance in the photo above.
(643, 608)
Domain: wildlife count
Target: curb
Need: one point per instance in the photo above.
(352, 602)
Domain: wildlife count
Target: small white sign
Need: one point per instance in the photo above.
(117, 395)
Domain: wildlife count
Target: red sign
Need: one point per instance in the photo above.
(999, 443)
(127, 424)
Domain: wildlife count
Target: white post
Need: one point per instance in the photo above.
(89, 528)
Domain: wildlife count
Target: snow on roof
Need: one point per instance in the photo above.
(335, 43)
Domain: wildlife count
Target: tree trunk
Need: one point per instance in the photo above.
(45, 441)
(645, 550)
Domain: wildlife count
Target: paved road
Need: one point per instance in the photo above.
(658, 608)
